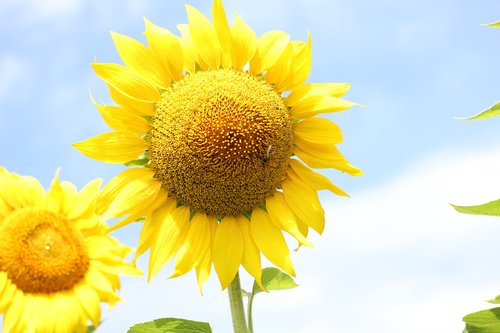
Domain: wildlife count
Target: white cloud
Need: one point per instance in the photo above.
(396, 258)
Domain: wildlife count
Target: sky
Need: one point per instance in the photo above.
(395, 257)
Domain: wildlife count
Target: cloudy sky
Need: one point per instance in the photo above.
(394, 257)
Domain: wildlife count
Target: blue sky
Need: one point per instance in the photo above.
(395, 257)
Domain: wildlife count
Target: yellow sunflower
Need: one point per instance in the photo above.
(222, 131)
(56, 262)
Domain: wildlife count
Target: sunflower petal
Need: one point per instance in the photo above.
(188, 49)
(195, 246)
(283, 218)
(314, 180)
(251, 255)
(151, 227)
(114, 187)
(203, 269)
(223, 32)
(307, 90)
(227, 250)
(318, 130)
(304, 203)
(90, 302)
(244, 43)
(131, 105)
(301, 62)
(315, 105)
(166, 48)
(55, 195)
(270, 47)
(325, 156)
(171, 234)
(113, 147)
(204, 37)
(270, 240)
(280, 74)
(138, 57)
(127, 82)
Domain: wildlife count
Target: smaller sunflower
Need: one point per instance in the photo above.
(56, 262)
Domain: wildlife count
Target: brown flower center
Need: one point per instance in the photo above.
(220, 141)
(41, 252)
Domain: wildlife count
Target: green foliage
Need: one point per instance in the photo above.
(171, 325)
(493, 111)
(486, 321)
(138, 162)
(274, 279)
(491, 208)
(493, 25)
(495, 300)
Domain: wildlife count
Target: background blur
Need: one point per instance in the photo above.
(395, 257)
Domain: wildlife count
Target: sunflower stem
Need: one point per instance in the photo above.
(236, 304)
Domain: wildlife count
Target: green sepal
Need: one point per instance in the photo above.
(138, 162)
(491, 208)
(493, 111)
(171, 325)
(485, 321)
(274, 279)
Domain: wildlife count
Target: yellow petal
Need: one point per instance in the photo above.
(21, 191)
(251, 254)
(304, 203)
(314, 180)
(270, 47)
(130, 104)
(171, 234)
(270, 240)
(146, 208)
(166, 48)
(318, 130)
(139, 58)
(315, 105)
(195, 246)
(280, 74)
(90, 303)
(188, 49)
(13, 313)
(151, 228)
(113, 147)
(122, 120)
(204, 37)
(203, 269)
(282, 216)
(307, 90)
(86, 198)
(116, 184)
(55, 195)
(223, 32)
(127, 82)
(136, 195)
(325, 156)
(301, 62)
(244, 43)
(227, 250)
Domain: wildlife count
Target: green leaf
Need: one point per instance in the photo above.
(274, 279)
(493, 25)
(171, 325)
(493, 111)
(496, 300)
(91, 329)
(491, 208)
(485, 321)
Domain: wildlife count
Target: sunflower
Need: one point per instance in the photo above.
(56, 262)
(219, 131)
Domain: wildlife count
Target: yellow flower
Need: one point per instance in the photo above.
(56, 262)
(222, 123)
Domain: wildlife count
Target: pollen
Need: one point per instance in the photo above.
(220, 141)
(42, 252)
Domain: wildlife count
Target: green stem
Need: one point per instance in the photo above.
(249, 310)
(236, 304)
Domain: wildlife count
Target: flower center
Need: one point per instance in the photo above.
(220, 141)
(41, 252)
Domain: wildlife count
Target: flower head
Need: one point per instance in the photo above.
(218, 124)
(56, 262)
